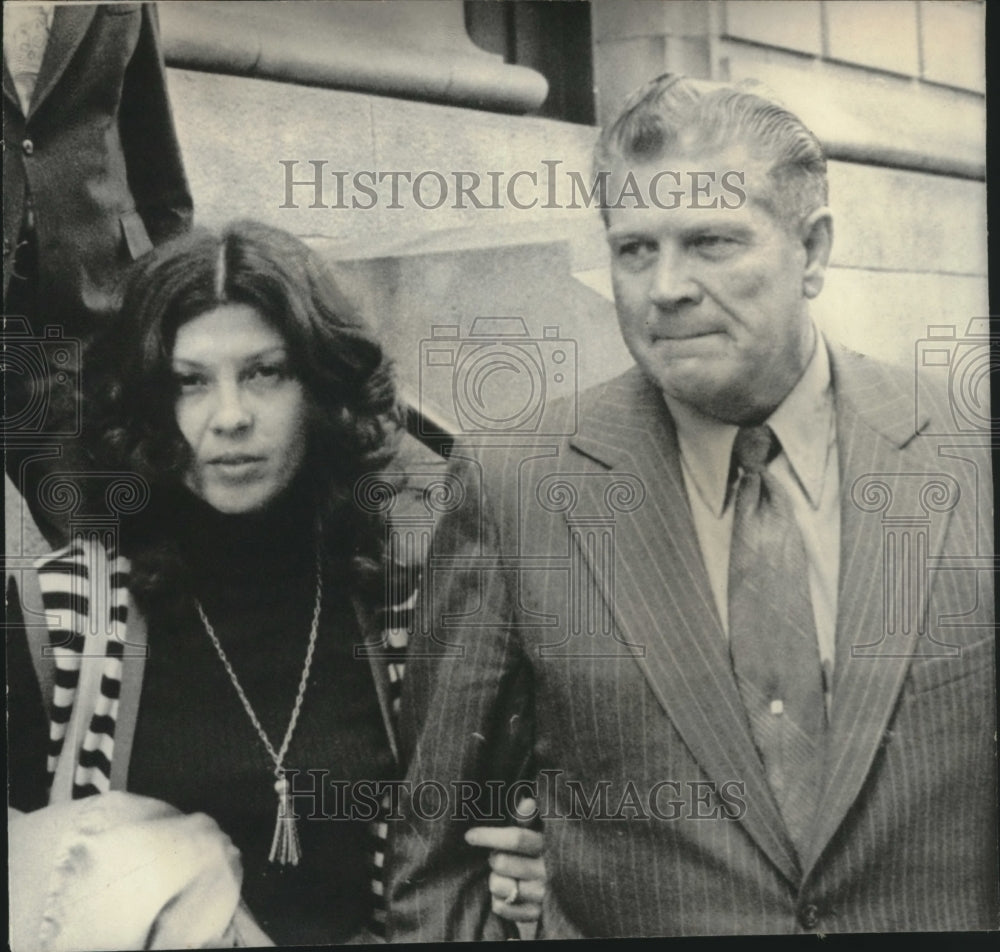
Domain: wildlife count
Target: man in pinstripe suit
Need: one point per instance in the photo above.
(597, 622)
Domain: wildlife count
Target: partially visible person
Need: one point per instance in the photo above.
(93, 178)
(230, 651)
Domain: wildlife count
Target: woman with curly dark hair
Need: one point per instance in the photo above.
(319, 378)
(242, 398)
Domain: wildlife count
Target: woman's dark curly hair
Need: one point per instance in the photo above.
(130, 393)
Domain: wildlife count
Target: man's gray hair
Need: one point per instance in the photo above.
(675, 114)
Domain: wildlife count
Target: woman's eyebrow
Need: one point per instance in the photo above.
(278, 350)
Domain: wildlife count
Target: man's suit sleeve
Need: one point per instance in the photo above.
(466, 731)
(153, 159)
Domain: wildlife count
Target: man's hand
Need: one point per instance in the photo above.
(517, 880)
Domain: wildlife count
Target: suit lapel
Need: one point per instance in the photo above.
(69, 25)
(375, 649)
(9, 90)
(875, 424)
(663, 603)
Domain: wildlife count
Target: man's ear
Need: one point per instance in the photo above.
(817, 238)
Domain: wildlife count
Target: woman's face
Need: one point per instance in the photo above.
(240, 407)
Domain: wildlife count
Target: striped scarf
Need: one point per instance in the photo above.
(85, 596)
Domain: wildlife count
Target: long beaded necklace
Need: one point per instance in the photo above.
(285, 848)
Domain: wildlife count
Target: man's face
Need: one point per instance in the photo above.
(712, 301)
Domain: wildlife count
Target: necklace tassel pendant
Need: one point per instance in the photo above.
(285, 849)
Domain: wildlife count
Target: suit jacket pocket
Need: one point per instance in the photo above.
(120, 9)
(135, 235)
(932, 673)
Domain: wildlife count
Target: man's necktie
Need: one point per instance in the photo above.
(772, 634)
(25, 36)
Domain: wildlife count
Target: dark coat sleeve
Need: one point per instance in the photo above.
(466, 726)
(100, 159)
(149, 140)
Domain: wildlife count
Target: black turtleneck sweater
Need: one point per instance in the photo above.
(196, 748)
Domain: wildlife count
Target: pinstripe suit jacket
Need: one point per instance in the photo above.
(573, 626)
